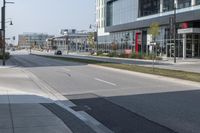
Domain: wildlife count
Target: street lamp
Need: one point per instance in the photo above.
(3, 16)
(95, 26)
(175, 4)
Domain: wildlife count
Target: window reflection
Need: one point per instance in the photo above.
(168, 5)
(184, 3)
(149, 7)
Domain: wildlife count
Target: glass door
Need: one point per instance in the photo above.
(189, 46)
(196, 45)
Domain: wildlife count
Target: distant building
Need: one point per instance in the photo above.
(67, 31)
(37, 40)
(70, 40)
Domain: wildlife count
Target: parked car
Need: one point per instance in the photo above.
(58, 52)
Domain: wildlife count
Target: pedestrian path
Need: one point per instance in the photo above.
(20, 108)
(23, 107)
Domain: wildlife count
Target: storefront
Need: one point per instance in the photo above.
(190, 42)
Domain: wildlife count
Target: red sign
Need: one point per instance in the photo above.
(137, 42)
(128, 51)
(185, 25)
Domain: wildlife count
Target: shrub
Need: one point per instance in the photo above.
(99, 53)
(7, 55)
(122, 55)
(151, 57)
(112, 54)
(134, 55)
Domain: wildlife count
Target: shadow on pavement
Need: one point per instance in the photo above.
(37, 114)
(146, 113)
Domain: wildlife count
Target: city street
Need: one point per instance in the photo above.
(122, 102)
(100, 66)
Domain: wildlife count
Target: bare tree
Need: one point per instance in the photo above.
(154, 31)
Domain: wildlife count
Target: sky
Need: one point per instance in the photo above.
(48, 16)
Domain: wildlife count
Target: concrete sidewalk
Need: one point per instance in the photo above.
(20, 108)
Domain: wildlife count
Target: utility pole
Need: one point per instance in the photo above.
(3, 30)
(3, 18)
(175, 31)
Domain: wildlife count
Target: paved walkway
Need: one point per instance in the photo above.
(20, 108)
(189, 65)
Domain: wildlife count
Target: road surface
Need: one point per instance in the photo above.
(122, 102)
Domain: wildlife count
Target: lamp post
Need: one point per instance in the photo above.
(175, 4)
(96, 26)
(3, 17)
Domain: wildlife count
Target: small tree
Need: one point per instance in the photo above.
(91, 41)
(154, 31)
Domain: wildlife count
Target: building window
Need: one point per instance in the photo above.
(168, 5)
(109, 14)
(149, 7)
(197, 2)
(184, 3)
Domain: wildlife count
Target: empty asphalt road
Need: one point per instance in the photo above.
(123, 102)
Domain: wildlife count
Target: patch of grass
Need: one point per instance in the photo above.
(157, 71)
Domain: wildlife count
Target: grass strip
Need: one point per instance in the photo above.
(157, 71)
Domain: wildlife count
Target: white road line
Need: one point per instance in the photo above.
(67, 70)
(110, 83)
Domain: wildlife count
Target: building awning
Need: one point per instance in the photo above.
(189, 31)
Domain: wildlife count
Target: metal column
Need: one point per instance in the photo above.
(184, 46)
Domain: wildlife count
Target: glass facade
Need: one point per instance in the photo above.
(109, 14)
(197, 2)
(167, 5)
(121, 11)
(33, 39)
(184, 3)
(126, 11)
(148, 7)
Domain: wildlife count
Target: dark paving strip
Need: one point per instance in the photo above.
(22, 62)
(15, 61)
(74, 123)
(116, 118)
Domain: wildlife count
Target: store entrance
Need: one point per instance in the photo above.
(193, 46)
(197, 45)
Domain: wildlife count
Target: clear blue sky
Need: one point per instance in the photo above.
(49, 16)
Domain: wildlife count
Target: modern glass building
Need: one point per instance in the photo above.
(71, 40)
(127, 23)
(103, 37)
(27, 40)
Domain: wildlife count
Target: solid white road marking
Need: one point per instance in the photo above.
(110, 83)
